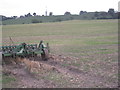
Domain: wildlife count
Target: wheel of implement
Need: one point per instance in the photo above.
(14, 55)
(45, 55)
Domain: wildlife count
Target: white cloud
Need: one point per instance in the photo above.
(21, 7)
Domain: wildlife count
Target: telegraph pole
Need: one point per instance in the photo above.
(46, 12)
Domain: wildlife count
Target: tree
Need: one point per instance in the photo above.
(96, 14)
(118, 15)
(28, 15)
(21, 16)
(34, 14)
(14, 17)
(50, 14)
(67, 13)
(3, 17)
(82, 12)
(111, 11)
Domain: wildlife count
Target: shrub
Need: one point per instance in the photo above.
(35, 21)
(58, 20)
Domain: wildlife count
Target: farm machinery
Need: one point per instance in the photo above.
(26, 50)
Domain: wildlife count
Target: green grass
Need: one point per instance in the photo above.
(7, 79)
(67, 36)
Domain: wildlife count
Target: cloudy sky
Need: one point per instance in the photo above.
(58, 7)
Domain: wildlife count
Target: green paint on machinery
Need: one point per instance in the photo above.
(26, 50)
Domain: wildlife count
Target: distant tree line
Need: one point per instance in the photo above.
(22, 16)
(111, 14)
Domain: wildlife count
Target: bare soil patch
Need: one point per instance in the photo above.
(54, 73)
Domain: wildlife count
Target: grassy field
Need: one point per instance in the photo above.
(66, 37)
(93, 42)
